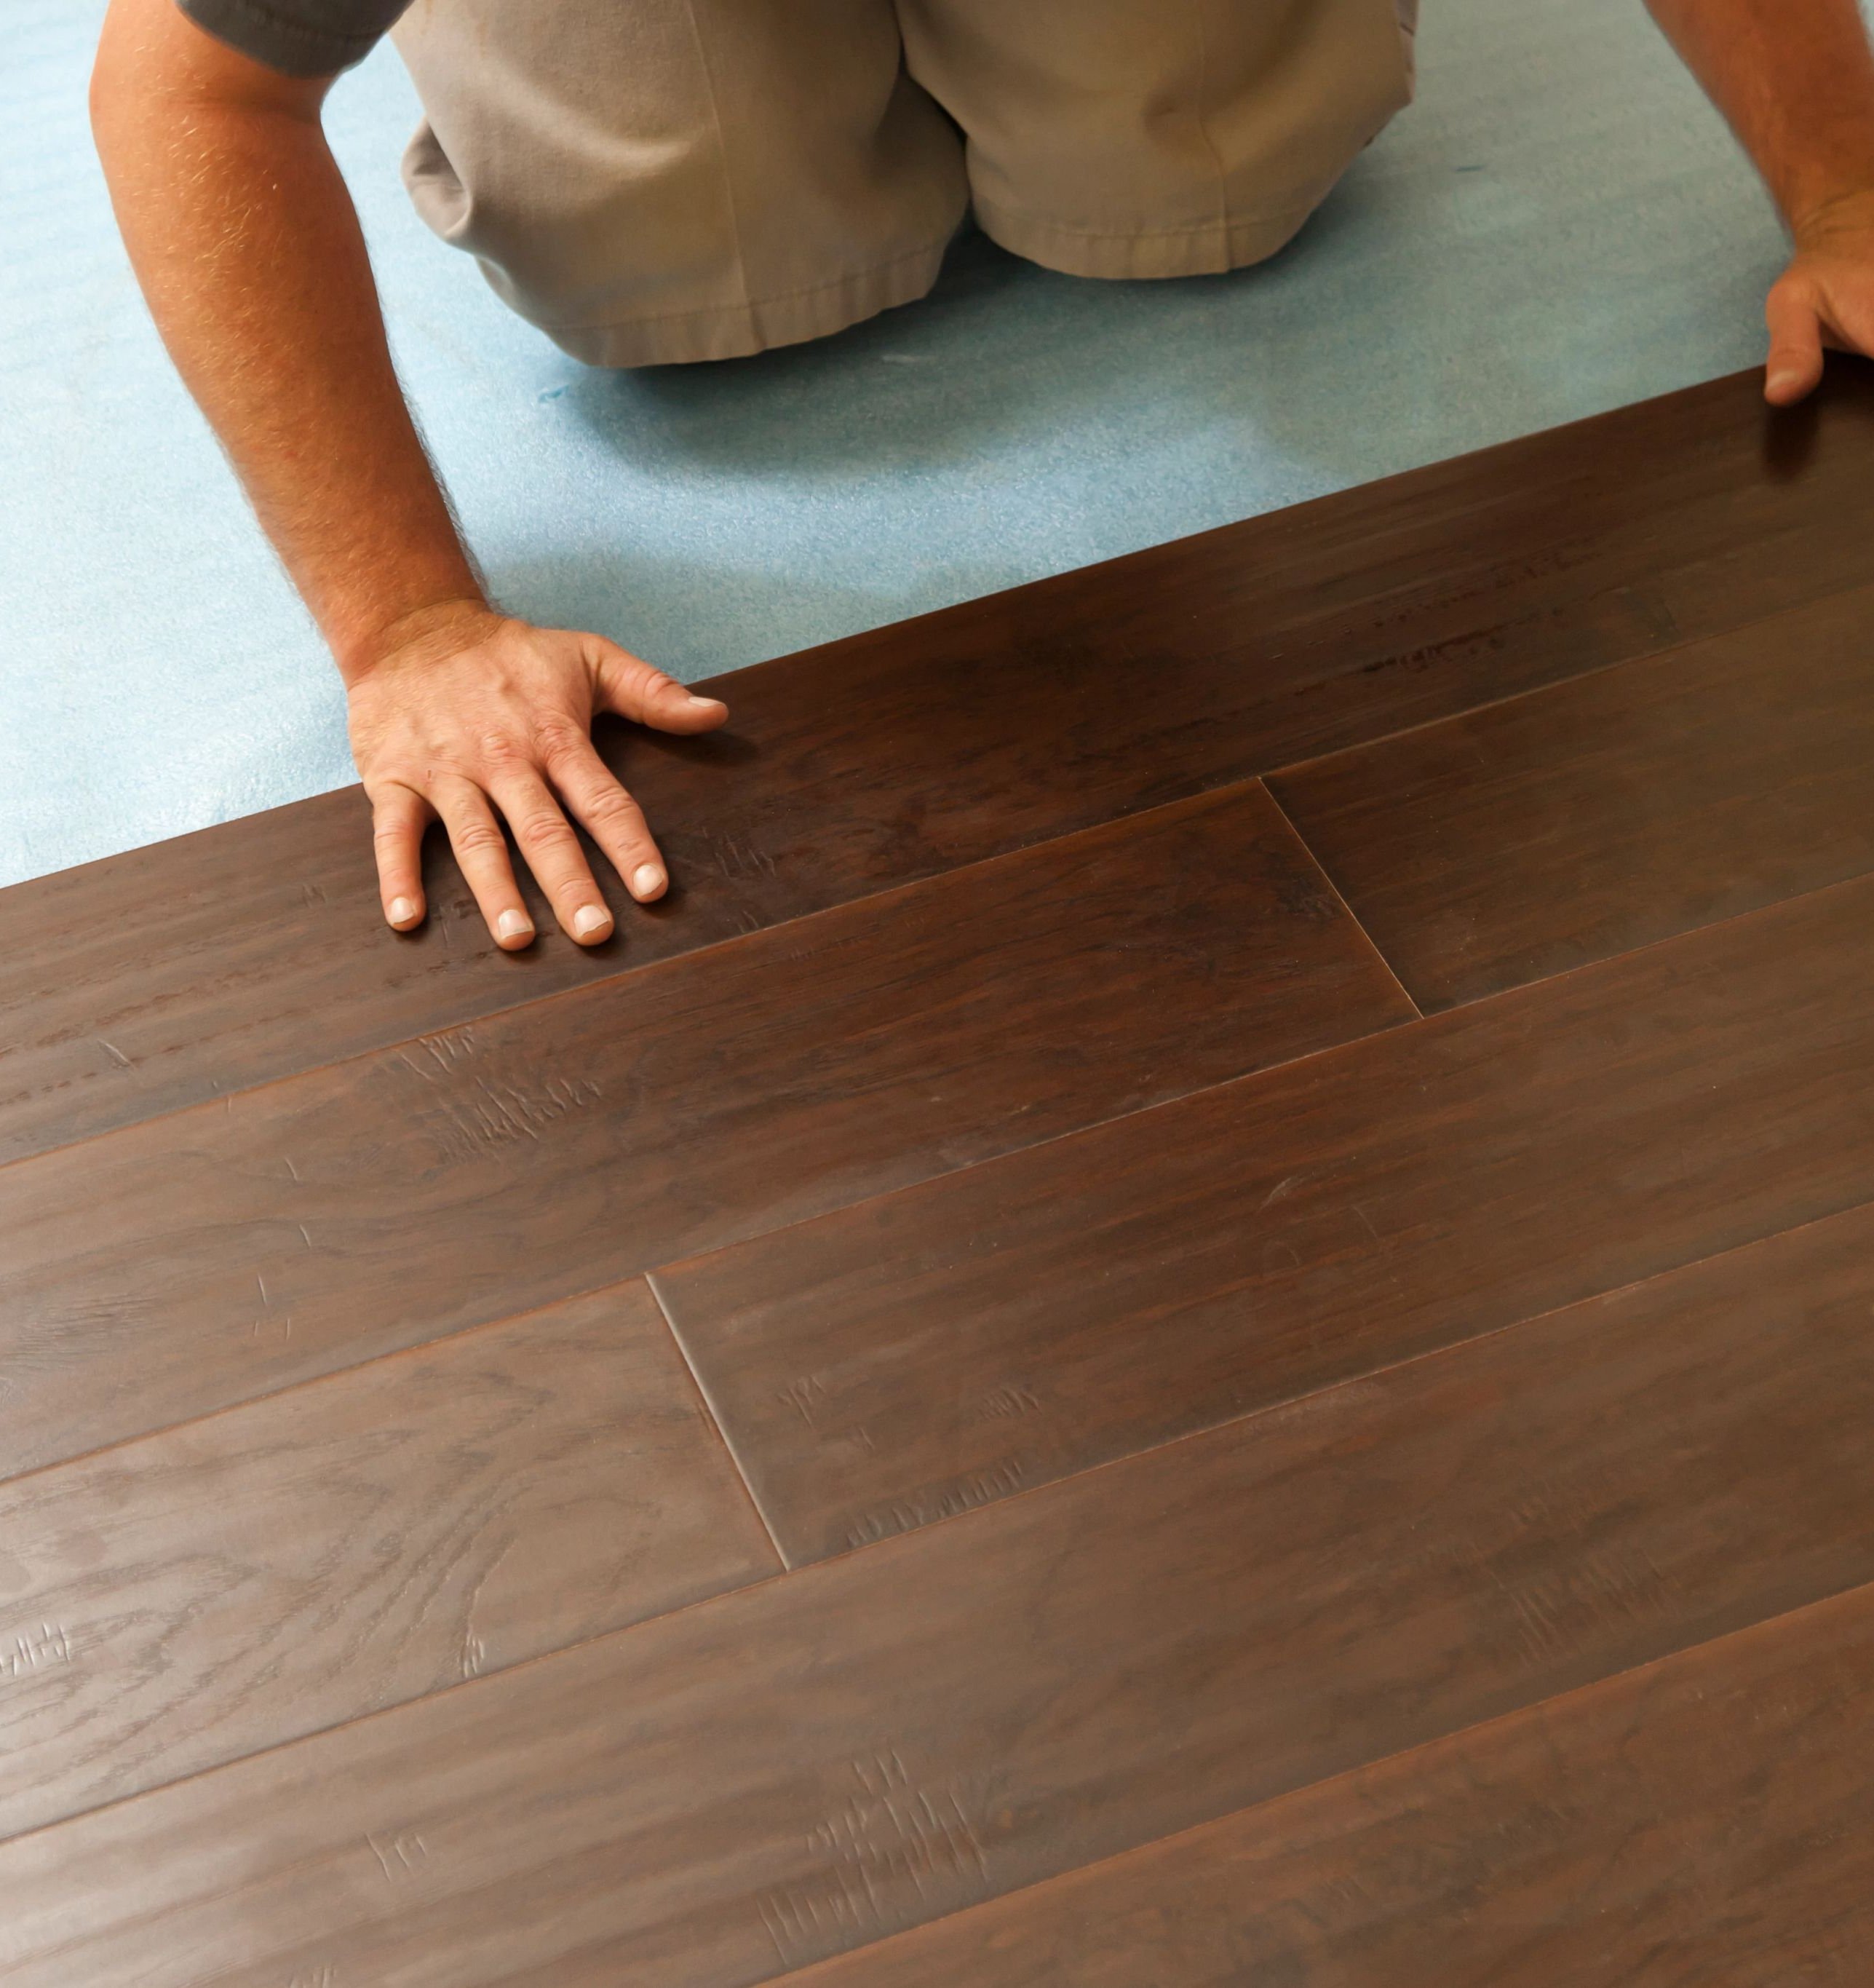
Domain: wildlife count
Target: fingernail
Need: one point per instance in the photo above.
(1777, 381)
(703, 702)
(645, 879)
(588, 918)
(402, 910)
(511, 925)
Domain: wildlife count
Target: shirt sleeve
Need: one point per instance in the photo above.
(298, 37)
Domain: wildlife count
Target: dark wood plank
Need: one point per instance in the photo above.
(762, 1780)
(1707, 1821)
(352, 1544)
(1580, 821)
(248, 953)
(159, 1272)
(901, 1360)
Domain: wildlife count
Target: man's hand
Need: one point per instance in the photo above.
(1795, 79)
(1824, 298)
(463, 712)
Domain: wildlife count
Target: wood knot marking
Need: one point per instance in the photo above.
(800, 1396)
(399, 1855)
(882, 1771)
(892, 1854)
(906, 1515)
(282, 1323)
(431, 1058)
(737, 859)
(446, 1051)
(1007, 1403)
(28, 1654)
(1282, 1190)
(489, 1115)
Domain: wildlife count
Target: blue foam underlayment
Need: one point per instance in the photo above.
(1559, 225)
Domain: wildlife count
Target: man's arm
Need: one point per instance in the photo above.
(247, 248)
(1795, 80)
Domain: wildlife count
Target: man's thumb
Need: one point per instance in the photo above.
(1795, 361)
(630, 686)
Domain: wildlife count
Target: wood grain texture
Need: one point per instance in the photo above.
(1707, 1821)
(765, 1779)
(161, 979)
(932, 1350)
(352, 1544)
(1605, 814)
(157, 1272)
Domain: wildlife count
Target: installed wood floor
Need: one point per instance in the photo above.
(1201, 1312)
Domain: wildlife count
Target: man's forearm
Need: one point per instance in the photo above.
(247, 248)
(1795, 80)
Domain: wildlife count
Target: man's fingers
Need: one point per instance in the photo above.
(1795, 364)
(482, 851)
(554, 855)
(399, 817)
(630, 687)
(615, 820)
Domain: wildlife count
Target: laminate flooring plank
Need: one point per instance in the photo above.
(249, 951)
(763, 1780)
(157, 1272)
(1707, 1821)
(353, 1544)
(1578, 822)
(901, 1360)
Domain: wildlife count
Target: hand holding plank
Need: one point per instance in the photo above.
(1824, 298)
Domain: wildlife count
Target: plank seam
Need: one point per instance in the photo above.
(1340, 898)
(713, 1416)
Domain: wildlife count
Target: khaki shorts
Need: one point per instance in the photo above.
(651, 180)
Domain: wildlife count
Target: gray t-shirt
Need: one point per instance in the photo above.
(298, 37)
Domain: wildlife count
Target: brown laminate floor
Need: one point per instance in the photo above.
(1201, 1311)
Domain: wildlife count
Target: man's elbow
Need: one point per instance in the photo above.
(151, 55)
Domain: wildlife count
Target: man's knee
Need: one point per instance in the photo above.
(653, 183)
